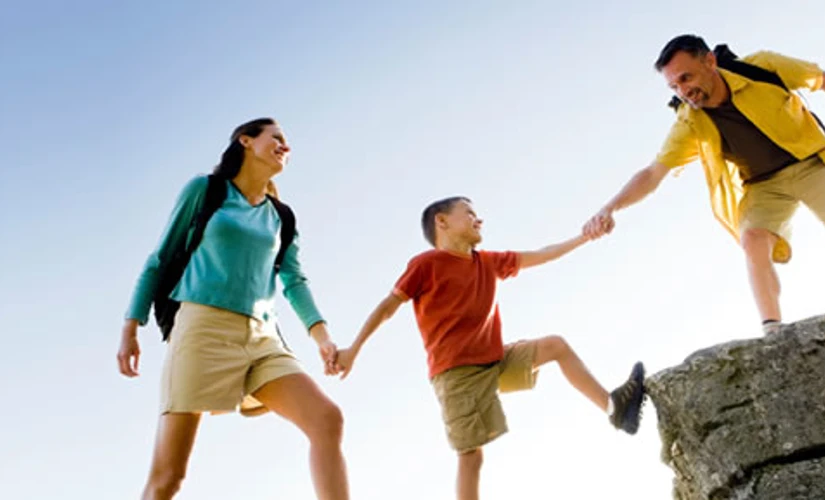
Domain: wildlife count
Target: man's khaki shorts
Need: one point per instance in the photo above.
(470, 406)
(216, 358)
(770, 204)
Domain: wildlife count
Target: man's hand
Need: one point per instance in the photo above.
(643, 182)
(600, 224)
(346, 358)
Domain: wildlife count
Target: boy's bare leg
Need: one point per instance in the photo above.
(623, 405)
(555, 348)
(469, 474)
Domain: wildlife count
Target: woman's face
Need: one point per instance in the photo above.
(269, 148)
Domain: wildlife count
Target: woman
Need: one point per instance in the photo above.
(225, 347)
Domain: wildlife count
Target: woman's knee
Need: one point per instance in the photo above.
(176, 435)
(329, 423)
(164, 482)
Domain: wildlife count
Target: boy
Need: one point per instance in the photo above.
(453, 289)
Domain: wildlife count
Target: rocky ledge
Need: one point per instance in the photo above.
(746, 419)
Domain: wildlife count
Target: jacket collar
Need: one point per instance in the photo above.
(735, 83)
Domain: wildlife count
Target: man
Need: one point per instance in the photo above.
(761, 148)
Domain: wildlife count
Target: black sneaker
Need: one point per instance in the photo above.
(627, 401)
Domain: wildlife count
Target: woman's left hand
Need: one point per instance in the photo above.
(326, 348)
(329, 355)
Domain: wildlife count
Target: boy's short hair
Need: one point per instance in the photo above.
(437, 207)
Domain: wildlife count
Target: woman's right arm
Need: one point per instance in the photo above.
(172, 238)
(174, 235)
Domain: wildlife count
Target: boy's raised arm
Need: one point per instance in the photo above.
(384, 311)
(550, 252)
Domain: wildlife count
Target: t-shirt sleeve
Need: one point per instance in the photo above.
(173, 238)
(505, 264)
(296, 286)
(795, 73)
(680, 146)
(411, 283)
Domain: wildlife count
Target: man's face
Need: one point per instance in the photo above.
(692, 77)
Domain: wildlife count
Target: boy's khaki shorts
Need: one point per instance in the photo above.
(470, 406)
(216, 358)
(770, 204)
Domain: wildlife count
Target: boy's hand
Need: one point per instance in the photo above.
(600, 224)
(345, 360)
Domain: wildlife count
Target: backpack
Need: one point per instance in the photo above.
(726, 59)
(165, 308)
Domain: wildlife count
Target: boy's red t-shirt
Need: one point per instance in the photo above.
(454, 298)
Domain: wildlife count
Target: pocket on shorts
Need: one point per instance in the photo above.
(463, 423)
(516, 371)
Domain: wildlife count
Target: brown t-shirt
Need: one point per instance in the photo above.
(757, 157)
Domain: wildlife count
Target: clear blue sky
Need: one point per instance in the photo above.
(537, 112)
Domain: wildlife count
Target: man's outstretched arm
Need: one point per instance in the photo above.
(643, 183)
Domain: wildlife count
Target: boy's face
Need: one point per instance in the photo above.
(461, 223)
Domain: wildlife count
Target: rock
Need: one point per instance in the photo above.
(746, 419)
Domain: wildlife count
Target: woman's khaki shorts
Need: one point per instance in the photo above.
(470, 406)
(216, 358)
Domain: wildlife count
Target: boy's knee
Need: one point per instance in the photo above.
(554, 347)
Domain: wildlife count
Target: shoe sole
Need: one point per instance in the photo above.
(632, 418)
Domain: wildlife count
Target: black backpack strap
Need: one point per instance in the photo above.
(215, 196)
(726, 59)
(288, 225)
(166, 308)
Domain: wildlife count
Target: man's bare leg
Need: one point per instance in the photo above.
(758, 247)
